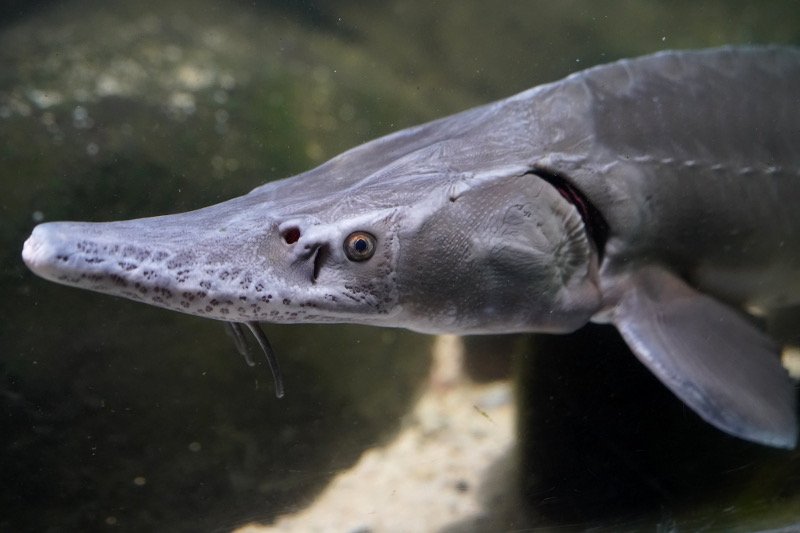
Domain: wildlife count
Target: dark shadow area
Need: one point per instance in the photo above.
(150, 421)
(602, 441)
(489, 357)
(604, 446)
(316, 15)
(13, 10)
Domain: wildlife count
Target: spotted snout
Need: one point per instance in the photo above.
(197, 272)
(72, 254)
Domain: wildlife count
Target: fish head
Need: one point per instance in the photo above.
(241, 260)
(439, 228)
(503, 255)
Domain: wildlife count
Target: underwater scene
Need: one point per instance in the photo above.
(422, 390)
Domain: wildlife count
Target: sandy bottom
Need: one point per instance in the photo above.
(446, 469)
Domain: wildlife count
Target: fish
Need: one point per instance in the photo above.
(658, 194)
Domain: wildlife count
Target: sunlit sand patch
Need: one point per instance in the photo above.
(434, 473)
(791, 360)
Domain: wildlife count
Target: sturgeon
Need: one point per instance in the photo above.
(658, 194)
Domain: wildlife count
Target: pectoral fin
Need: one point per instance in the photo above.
(710, 356)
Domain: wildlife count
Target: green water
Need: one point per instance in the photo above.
(115, 415)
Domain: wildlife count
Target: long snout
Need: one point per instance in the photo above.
(150, 260)
(42, 251)
(80, 253)
(204, 263)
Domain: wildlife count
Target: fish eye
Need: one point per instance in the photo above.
(359, 246)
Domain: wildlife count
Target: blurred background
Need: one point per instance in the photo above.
(118, 415)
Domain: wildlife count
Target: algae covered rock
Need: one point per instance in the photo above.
(118, 414)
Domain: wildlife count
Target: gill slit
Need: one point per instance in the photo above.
(597, 228)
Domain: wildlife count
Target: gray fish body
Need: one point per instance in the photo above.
(715, 198)
(658, 194)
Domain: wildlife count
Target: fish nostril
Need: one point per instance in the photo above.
(291, 235)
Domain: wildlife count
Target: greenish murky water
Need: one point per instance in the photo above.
(115, 415)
